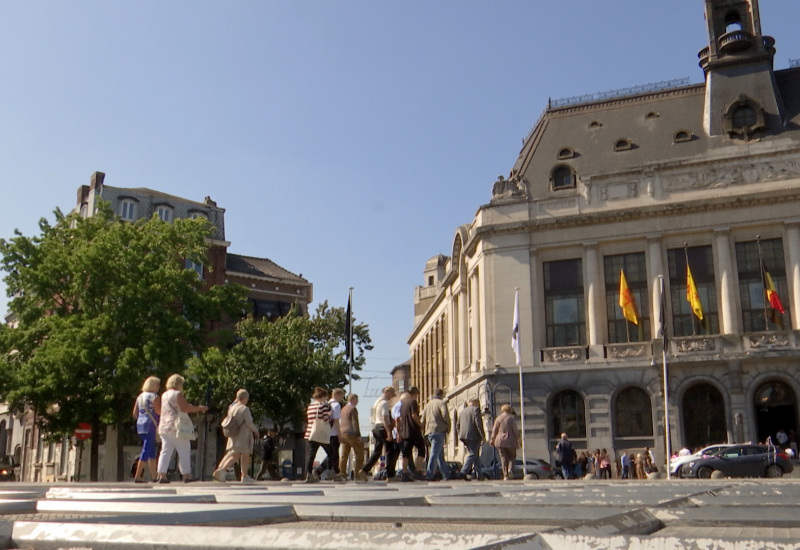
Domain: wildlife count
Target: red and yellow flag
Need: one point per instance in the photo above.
(769, 288)
(692, 296)
(626, 300)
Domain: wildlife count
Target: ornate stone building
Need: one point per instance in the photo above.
(644, 182)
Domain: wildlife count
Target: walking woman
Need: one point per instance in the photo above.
(240, 444)
(172, 404)
(318, 430)
(146, 410)
(506, 439)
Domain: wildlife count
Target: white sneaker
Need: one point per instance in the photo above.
(248, 479)
(219, 475)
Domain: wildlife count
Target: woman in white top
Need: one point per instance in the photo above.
(239, 447)
(172, 403)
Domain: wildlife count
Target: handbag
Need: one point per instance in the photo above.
(184, 427)
(320, 431)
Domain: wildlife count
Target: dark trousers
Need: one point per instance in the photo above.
(311, 452)
(332, 458)
(268, 465)
(392, 452)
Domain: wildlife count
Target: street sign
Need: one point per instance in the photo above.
(83, 431)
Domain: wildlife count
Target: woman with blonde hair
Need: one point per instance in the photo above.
(146, 410)
(172, 404)
(240, 445)
(506, 439)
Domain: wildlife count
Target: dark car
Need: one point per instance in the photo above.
(7, 466)
(741, 461)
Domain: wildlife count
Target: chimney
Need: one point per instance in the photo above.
(97, 180)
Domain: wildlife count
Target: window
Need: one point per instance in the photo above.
(164, 212)
(195, 214)
(743, 116)
(733, 22)
(195, 266)
(703, 416)
(623, 145)
(271, 309)
(651, 115)
(633, 415)
(701, 263)
(756, 316)
(682, 136)
(564, 304)
(619, 328)
(566, 153)
(568, 415)
(562, 178)
(127, 209)
(595, 124)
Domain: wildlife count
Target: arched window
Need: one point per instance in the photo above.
(775, 406)
(743, 115)
(164, 212)
(733, 22)
(568, 414)
(623, 144)
(744, 118)
(566, 153)
(703, 416)
(563, 177)
(633, 414)
(681, 136)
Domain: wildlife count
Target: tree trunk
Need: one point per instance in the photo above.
(94, 453)
(120, 453)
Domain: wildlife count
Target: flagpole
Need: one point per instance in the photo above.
(349, 322)
(516, 345)
(667, 430)
(763, 282)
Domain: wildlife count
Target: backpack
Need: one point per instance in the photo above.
(230, 426)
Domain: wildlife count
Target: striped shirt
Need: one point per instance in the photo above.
(316, 410)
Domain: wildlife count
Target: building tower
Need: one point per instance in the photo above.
(742, 98)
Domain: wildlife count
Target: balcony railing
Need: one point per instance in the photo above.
(735, 41)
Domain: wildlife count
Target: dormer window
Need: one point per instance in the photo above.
(623, 144)
(164, 212)
(651, 115)
(595, 124)
(566, 153)
(127, 209)
(743, 118)
(682, 136)
(194, 214)
(563, 177)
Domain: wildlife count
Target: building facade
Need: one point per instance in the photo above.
(646, 184)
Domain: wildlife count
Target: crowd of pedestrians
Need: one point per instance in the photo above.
(401, 430)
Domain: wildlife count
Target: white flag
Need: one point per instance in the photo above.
(515, 329)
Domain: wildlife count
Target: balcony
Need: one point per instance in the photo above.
(770, 341)
(735, 41)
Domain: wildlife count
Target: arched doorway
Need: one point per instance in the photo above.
(775, 405)
(568, 415)
(703, 416)
(633, 420)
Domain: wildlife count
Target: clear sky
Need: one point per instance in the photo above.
(346, 139)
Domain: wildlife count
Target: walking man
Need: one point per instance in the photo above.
(382, 432)
(471, 433)
(350, 436)
(268, 447)
(566, 456)
(436, 420)
(409, 431)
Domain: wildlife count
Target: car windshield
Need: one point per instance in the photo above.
(6, 460)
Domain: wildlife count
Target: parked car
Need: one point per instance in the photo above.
(536, 467)
(741, 461)
(7, 466)
(676, 463)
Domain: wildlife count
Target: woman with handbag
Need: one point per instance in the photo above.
(318, 430)
(242, 430)
(506, 439)
(176, 429)
(146, 410)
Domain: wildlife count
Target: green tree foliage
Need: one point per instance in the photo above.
(101, 304)
(280, 362)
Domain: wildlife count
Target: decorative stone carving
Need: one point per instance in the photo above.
(626, 351)
(689, 345)
(513, 187)
(773, 340)
(725, 176)
(556, 355)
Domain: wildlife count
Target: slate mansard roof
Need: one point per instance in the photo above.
(260, 267)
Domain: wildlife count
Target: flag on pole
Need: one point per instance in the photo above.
(348, 332)
(773, 300)
(626, 300)
(515, 329)
(691, 294)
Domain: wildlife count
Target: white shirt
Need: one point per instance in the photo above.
(380, 411)
(336, 413)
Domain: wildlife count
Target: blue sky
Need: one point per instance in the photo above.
(346, 140)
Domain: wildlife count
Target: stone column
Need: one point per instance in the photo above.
(595, 290)
(537, 324)
(793, 274)
(729, 320)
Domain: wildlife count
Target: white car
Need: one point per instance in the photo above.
(676, 463)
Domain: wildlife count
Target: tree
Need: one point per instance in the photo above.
(101, 304)
(280, 362)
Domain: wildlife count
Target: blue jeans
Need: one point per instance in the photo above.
(566, 470)
(472, 464)
(436, 459)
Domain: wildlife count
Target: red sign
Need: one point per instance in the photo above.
(83, 431)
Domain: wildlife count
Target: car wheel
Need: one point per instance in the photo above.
(682, 473)
(533, 475)
(704, 472)
(774, 470)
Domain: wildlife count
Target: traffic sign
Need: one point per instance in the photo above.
(83, 431)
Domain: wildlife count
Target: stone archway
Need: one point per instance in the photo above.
(774, 408)
(703, 411)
